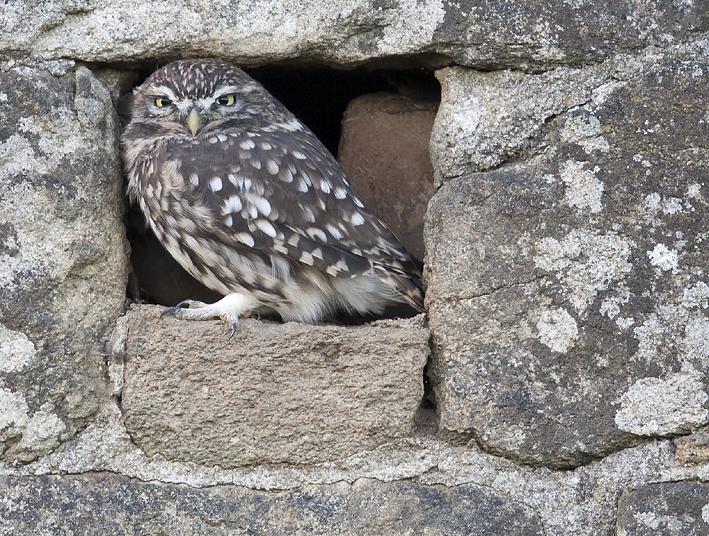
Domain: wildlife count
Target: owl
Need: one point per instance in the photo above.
(250, 203)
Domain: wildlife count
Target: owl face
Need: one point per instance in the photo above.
(206, 100)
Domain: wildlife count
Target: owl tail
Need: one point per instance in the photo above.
(406, 286)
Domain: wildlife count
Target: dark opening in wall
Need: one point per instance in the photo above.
(319, 97)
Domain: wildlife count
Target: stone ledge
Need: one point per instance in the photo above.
(110, 504)
(274, 393)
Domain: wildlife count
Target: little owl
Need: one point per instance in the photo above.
(248, 201)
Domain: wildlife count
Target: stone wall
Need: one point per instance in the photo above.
(566, 343)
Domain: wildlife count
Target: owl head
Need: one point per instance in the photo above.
(196, 97)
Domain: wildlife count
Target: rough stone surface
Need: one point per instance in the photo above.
(692, 449)
(568, 289)
(384, 153)
(487, 118)
(63, 262)
(522, 33)
(273, 393)
(579, 502)
(111, 504)
(567, 294)
(667, 509)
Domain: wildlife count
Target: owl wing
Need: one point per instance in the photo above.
(276, 190)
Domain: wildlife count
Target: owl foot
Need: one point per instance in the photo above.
(229, 308)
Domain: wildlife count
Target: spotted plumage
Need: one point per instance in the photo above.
(250, 203)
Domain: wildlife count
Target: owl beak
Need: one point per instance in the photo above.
(194, 121)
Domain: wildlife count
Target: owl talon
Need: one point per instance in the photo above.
(180, 307)
(233, 330)
(170, 310)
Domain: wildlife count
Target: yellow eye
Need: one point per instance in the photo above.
(162, 101)
(227, 100)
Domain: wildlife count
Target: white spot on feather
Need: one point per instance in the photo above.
(340, 193)
(308, 215)
(215, 184)
(357, 219)
(245, 238)
(262, 205)
(286, 175)
(315, 233)
(272, 167)
(266, 227)
(306, 258)
(233, 204)
(334, 231)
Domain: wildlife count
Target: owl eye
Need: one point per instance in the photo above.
(226, 100)
(162, 101)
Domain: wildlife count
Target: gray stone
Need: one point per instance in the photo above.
(487, 118)
(63, 258)
(567, 294)
(384, 153)
(273, 393)
(666, 509)
(101, 504)
(521, 34)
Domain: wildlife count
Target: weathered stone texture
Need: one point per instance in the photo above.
(692, 449)
(475, 33)
(567, 295)
(63, 262)
(273, 393)
(100, 504)
(667, 509)
(384, 153)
